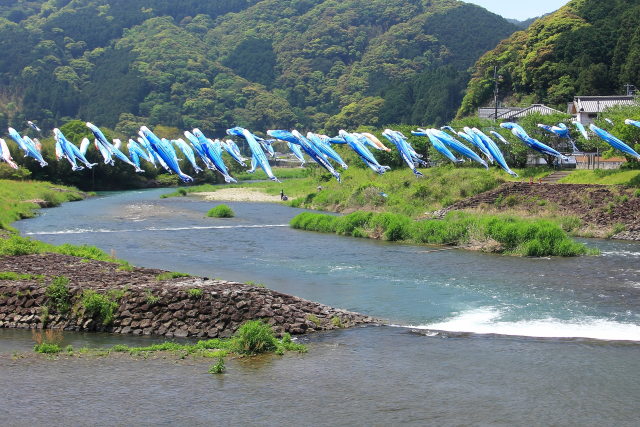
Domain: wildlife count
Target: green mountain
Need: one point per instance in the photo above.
(255, 63)
(588, 47)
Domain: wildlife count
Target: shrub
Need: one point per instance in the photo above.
(59, 297)
(150, 298)
(98, 306)
(254, 337)
(218, 367)
(47, 348)
(195, 293)
(221, 211)
(313, 318)
(515, 236)
(337, 322)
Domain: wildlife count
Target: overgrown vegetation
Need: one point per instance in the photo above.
(221, 211)
(100, 306)
(252, 338)
(10, 275)
(195, 293)
(396, 191)
(171, 275)
(494, 233)
(18, 245)
(58, 295)
(16, 198)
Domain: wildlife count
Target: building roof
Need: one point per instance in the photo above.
(597, 104)
(490, 112)
(532, 109)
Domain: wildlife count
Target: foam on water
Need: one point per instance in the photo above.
(622, 253)
(487, 321)
(102, 230)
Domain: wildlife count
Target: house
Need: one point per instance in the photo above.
(490, 112)
(514, 113)
(513, 116)
(587, 108)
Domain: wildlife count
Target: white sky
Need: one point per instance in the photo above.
(520, 9)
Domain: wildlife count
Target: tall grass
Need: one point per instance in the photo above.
(604, 177)
(18, 245)
(495, 233)
(14, 196)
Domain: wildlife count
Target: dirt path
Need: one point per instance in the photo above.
(238, 195)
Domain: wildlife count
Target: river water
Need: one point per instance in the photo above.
(472, 338)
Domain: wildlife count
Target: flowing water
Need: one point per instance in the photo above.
(472, 338)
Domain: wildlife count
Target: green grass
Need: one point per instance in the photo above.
(397, 191)
(150, 298)
(603, 177)
(513, 235)
(14, 196)
(362, 189)
(171, 275)
(18, 245)
(281, 173)
(195, 293)
(221, 211)
(10, 275)
(47, 348)
(252, 338)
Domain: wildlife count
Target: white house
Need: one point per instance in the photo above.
(587, 108)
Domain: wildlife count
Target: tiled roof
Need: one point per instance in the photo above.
(533, 109)
(597, 104)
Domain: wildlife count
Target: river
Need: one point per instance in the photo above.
(471, 338)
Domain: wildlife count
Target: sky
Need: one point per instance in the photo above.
(525, 9)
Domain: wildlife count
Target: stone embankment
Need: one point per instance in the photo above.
(143, 304)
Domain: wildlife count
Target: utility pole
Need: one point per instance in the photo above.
(495, 91)
(631, 89)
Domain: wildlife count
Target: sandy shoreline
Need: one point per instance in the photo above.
(237, 195)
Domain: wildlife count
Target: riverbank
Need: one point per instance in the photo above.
(102, 296)
(586, 210)
(106, 294)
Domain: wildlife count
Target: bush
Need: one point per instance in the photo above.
(221, 211)
(218, 367)
(98, 306)
(254, 337)
(195, 293)
(47, 348)
(59, 297)
(515, 236)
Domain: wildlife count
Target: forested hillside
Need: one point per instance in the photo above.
(588, 47)
(255, 63)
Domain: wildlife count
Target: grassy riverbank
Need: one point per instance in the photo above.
(396, 191)
(488, 233)
(20, 199)
(629, 178)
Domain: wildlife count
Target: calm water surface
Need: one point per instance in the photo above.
(477, 339)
